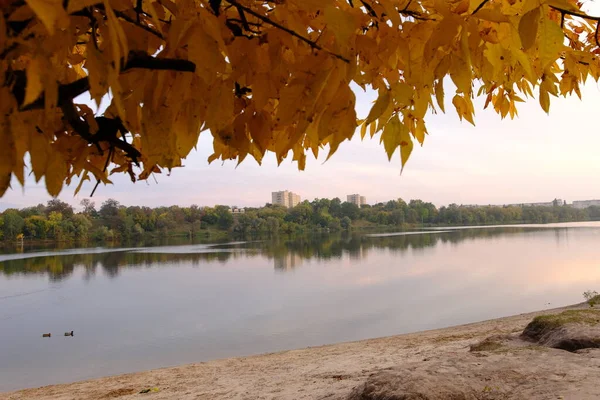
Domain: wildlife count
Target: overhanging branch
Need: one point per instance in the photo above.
(69, 91)
(564, 12)
(277, 25)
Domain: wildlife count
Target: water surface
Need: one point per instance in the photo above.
(140, 308)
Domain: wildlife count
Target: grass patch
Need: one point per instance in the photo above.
(486, 345)
(545, 323)
(514, 350)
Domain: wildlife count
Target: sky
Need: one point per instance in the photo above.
(535, 157)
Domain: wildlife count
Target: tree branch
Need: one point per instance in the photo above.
(480, 6)
(69, 91)
(120, 14)
(283, 28)
(564, 12)
(138, 24)
(82, 128)
(575, 14)
(142, 60)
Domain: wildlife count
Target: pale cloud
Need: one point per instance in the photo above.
(535, 157)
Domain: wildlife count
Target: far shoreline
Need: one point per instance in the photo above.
(311, 372)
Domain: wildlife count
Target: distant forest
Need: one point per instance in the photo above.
(59, 221)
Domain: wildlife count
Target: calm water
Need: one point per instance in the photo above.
(142, 308)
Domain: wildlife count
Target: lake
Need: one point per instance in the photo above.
(134, 309)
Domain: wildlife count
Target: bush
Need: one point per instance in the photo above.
(592, 297)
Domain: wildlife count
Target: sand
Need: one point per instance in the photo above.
(334, 371)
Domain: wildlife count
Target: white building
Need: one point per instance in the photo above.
(555, 202)
(356, 199)
(585, 203)
(285, 198)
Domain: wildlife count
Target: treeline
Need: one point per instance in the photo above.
(58, 221)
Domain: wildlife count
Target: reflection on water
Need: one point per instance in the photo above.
(286, 253)
(148, 307)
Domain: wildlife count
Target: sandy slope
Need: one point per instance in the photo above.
(331, 372)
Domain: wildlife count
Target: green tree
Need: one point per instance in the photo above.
(61, 207)
(224, 217)
(89, 207)
(350, 210)
(55, 225)
(13, 224)
(346, 223)
(36, 227)
(81, 226)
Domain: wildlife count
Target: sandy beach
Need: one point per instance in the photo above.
(340, 370)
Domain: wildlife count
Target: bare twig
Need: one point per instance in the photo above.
(283, 28)
(576, 14)
(108, 159)
(564, 12)
(480, 6)
(138, 24)
(139, 9)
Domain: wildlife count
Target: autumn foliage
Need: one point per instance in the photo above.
(262, 76)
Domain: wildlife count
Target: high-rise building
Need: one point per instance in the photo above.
(356, 199)
(285, 198)
(294, 199)
(585, 203)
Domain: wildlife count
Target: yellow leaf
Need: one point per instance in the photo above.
(220, 106)
(51, 13)
(463, 108)
(40, 151)
(382, 103)
(118, 41)
(7, 153)
(439, 94)
(551, 39)
(97, 73)
(342, 23)
(544, 100)
(491, 14)
(391, 12)
(76, 5)
(363, 130)
(406, 147)
(391, 135)
(55, 173)
(528, 27)
(21, 126)
(460, 72)
(187, 128)
(290, 100)
(205, 52)
(84, 177)
(420, 131)
(34, 81)
(402, 93)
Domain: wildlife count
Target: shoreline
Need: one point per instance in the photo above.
(323, 372)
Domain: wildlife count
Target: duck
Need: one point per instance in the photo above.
(46, 335)
(69, 333)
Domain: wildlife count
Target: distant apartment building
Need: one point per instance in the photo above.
(553, 203)
(585, 203)
(356, 199)
(236, 210)
(285, 198)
